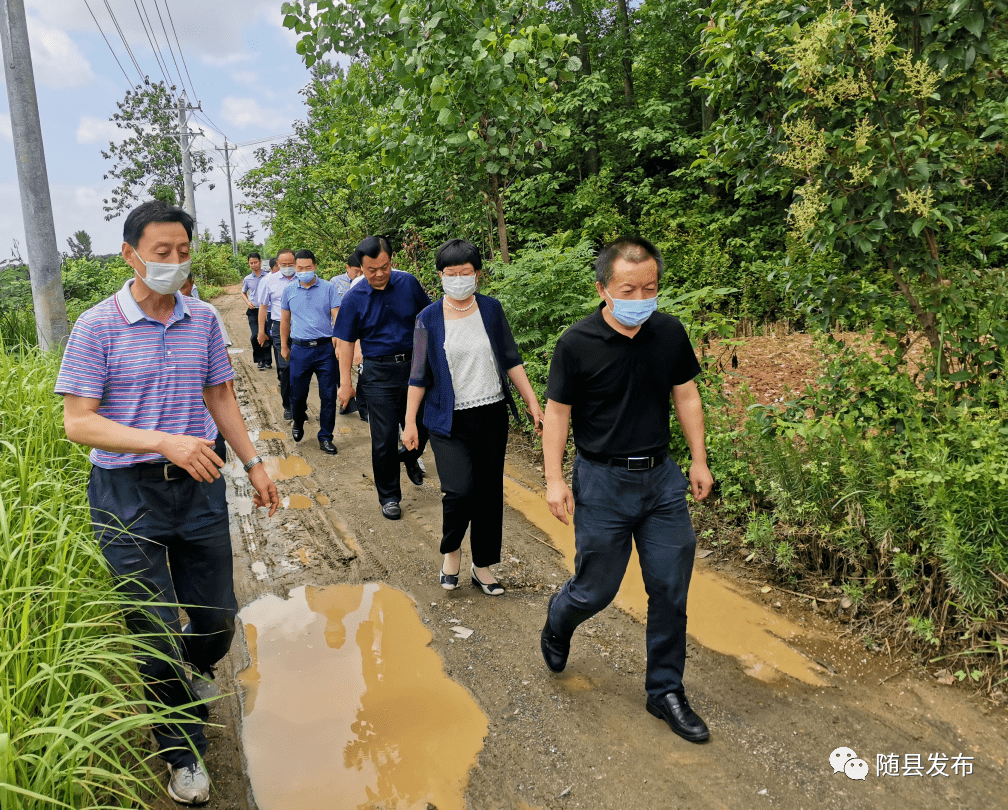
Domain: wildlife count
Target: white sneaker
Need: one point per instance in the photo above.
(189, 784)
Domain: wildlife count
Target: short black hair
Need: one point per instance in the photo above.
(373, 247)
(150, 212)
(458, 251)
(282, 252)
(629, 248)
(353, 260)
(254, 255)
(304, 253)
(272, 262)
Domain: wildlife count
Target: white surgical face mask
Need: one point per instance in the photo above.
(166, 279)
(458, 287)
(288, 271)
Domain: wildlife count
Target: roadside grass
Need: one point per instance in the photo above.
(73, 715)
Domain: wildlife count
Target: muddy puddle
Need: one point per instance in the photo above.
(347, 701)
(720, 617)
(296, 502)
(271, 434)
(322, 498)
(286, 467)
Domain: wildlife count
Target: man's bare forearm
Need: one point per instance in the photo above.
(554, 439)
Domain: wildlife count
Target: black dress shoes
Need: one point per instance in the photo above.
(327, 447)
(261, 365)
(297, 431)
(674, 709)
(413, 472)
(554, 649)
(391, 510)
(288, 415)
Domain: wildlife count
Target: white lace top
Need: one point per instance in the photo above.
(471, 362)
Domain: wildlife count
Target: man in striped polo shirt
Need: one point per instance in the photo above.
(134, 378)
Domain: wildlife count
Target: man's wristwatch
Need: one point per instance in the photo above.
(248, 465)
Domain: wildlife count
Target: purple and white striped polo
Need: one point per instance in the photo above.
(145, 374)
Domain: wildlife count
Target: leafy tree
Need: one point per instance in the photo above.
(148, 159)
(873, 119)
(80, 245)
(225, 232)
(469, 103)
(249, 232)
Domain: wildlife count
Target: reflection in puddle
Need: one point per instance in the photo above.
(271, 434)
(296, 502)
(345, 697)
(720, 618)
(282, 469)
(242, 506)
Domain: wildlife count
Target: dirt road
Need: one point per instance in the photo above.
(785, 690)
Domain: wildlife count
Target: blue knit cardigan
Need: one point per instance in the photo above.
(430, 364)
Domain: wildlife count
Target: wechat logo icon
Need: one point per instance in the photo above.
(844, 759)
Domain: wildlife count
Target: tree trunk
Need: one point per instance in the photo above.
(592, 156)
(628, 89)
(501, 226)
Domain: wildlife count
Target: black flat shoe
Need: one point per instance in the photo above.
(493, 589)
(674, 709)
(287, 415)
(413, 472)
(448, 581)
(554, 649)
(326, 446)
(391, 510)
(297, 431)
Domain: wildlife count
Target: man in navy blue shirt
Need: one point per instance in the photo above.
(381, 314)
(307, 310)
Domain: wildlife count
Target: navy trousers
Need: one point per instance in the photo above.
(167, 543)
(613, 507)
(385, 388)
(321, 361)
(282, 366)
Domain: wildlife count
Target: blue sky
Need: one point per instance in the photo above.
(244, 69)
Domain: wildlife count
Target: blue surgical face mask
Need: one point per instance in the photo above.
(631, 312)
(306, 277)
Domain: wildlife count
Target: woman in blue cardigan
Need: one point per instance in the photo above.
(463, 356)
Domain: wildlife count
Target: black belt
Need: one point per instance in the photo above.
(308, 344)
(403, 357)
(164, 471)
(626, 462)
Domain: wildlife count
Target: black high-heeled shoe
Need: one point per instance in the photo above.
(493, 589)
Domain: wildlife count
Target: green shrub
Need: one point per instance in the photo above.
(217, 265)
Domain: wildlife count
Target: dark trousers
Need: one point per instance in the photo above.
(260, 354)
(470, 465)
(610, 506)
(385, 390)
(282, 366)
(361, 396)
(321, 361)
(176, 551)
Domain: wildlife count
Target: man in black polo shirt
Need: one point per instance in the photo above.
(381, 314)
(613, 373)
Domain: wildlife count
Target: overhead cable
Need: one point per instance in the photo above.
(129, 81)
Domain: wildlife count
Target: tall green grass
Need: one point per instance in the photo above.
(73, 717)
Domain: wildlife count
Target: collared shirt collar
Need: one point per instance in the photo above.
(131, 309)
(314, 283)
(388, 286)
(608, 333)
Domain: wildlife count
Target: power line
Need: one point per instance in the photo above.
(179, 44)
(157, 51)
(157, 8)
(115, 22)
(129, 81)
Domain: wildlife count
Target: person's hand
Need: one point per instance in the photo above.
(262, 338)
(266, 491)
(537, 415)
(358, 358)
(195, 456)
(560, 500)
(346, 390)
(410, 436)
(285, 352)
(701, 480)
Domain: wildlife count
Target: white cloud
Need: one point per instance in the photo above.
(56, 59)
(244, 112)
(249, 77)
(6, 133)
(93, 130)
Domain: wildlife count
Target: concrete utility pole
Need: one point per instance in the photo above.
(234, 233)
(190, 202)
(33, 180)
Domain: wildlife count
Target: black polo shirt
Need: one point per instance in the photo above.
(619, 388)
